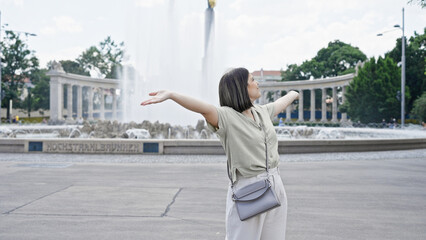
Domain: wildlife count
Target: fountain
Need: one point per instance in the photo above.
(138, 133)
(75, 133)
(164, 51)
(157, 130)
(133, 138)
(349, 133)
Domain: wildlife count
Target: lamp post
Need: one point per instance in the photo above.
(402, 68)
(29, 103)
(29, 86)
(402, 71)
(26, 34)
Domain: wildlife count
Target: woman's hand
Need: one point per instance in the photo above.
(157, 97)
(298, 95)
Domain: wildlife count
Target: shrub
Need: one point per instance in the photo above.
(419, 108)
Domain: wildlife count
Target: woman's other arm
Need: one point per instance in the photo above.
(283, 102)
(207, 110)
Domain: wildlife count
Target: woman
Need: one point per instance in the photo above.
(238, 124)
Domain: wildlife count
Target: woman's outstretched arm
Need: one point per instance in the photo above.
(207, 110)
(283, 102)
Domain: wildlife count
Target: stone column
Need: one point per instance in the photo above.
(300, 106)
(69, 101)
(79, 102)
(102, 115)
(288, 114)
(323, 106)
(312, 105)
(344, 115)
(90, 103)
(334, 105)
(56, 99)
(264, 97)
(114, 105)
(276, 95)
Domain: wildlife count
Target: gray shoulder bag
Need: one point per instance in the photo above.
(255, 198)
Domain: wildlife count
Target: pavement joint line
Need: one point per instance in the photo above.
(26, 204)
(171, 203)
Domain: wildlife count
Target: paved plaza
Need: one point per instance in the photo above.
(375, 195)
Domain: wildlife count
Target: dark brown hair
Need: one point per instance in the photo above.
(233, 90)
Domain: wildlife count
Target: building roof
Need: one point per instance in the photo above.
(267, 73)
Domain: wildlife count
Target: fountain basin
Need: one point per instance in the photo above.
(199, 146)
(304, 132)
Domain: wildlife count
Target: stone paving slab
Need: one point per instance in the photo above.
(48, 227)
(328, 198)
(103, 201)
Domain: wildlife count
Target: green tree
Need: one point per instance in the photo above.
(105, 58)
(18, 63)
(419, 109)
(70, 66)
(39, 97)
(292, 73)
(337, 58)
(371, 96)
(415, 59)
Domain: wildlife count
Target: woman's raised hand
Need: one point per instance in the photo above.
(157, 97)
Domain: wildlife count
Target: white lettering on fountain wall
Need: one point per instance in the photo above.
(58, 147)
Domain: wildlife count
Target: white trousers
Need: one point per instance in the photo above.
(270, 225)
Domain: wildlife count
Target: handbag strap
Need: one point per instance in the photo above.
(266, 156)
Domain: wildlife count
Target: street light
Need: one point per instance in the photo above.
(402, 68)
(402, 71)
(26, 34)
(29, 86)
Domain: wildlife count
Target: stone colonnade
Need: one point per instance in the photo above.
(59, 79)
(311, 85)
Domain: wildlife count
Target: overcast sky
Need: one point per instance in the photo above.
(256, 34)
